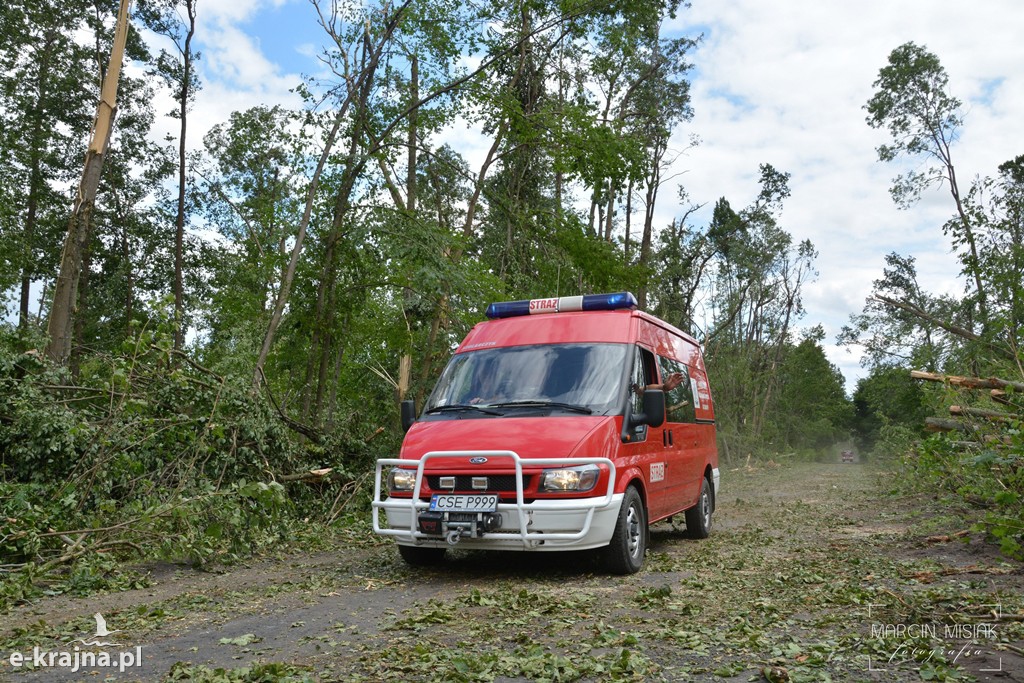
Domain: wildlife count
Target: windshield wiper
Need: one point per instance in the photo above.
(458, 407)
(543, 404)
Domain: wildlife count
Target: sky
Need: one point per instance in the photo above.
(781, 82)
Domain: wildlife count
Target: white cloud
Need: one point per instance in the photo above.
(785, 83)
(234, 71)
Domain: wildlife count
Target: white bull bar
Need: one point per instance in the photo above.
(520, 507)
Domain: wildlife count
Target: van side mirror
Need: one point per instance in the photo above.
(653, 404)
(408, 413)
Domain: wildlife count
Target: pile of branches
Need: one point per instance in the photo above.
(149, 454)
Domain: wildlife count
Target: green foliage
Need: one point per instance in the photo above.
(989, 482)
(800, 405)
(141, 449)
(813, 411)
(148, 453)
(912, 102)
(736, 284)
(890, 408)
(47, 101)
(268, 672)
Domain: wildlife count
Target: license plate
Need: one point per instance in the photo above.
(475, 503)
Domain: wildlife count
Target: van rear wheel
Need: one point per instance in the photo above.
(625, 553)
(698, 518)
(421, 555)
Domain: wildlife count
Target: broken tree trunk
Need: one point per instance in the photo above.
(60, 325)
(968, 382)
(1004, 398)
(994, 415)
(938, 424)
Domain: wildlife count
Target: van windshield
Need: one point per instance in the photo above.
(575, 377)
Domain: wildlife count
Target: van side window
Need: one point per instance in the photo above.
(643, 375)
(679, 401)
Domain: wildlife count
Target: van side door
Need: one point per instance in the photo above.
(682, 439)
(644, 447)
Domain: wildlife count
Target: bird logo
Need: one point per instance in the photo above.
(101, 632)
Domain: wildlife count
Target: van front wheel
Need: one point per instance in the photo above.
(625, 553)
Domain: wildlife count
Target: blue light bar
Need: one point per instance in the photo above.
(587, 302)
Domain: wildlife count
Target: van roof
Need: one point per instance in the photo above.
(615, 326)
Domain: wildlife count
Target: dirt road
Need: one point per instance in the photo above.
(812, 573)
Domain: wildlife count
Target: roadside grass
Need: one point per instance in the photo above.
(197, 605)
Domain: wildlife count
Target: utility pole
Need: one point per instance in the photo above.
(60, 325)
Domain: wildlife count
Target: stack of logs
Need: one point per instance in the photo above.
(1000, 390)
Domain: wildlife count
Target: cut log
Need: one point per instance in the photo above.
(1005, 398)
(938, 424)
(321, 475)
(968, 382)
(995, 415)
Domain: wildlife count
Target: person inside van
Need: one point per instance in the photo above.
(672, 381)
(484, 386)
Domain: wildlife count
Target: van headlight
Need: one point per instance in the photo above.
(582, 478)
(401, 480)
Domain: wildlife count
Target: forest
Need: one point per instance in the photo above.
(204, 352)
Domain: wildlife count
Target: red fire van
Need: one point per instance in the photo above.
(559, 424)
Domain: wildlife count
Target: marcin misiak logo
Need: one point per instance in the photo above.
(929, 642)
(78, 658)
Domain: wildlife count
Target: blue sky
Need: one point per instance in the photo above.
(782, 83)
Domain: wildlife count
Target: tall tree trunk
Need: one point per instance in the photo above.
(332, 406)
(36, 180)
(326, 349)
(82, 305)
(974, 263)
(179, 223)
(611, 212)
(410, 205)
(26, 266)
(65, 295)
(629, 220)
(653, 183)
(323, 321)
(315, 341)
(414, 97)
(129, 281)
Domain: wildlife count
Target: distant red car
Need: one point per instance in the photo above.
(847, 456)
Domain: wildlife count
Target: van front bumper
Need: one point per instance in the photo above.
(543, 525)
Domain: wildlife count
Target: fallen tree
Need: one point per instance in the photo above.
(998, 393)
(968, 382)
(982, 461)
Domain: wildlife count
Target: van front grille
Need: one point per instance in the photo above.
(495, 482)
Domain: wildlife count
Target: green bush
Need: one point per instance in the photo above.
(145, 454)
